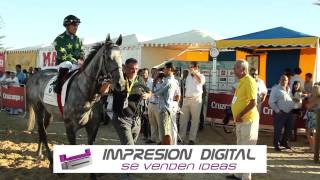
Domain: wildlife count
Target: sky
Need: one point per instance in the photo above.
(34, 22)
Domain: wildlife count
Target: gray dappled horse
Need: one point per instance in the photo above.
(83, 94)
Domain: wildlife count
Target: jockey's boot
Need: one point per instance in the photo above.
(59, 82)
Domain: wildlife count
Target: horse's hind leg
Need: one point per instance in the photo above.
(47, 121)
(39, 119)
(43, 120)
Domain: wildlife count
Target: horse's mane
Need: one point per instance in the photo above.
(92, 53)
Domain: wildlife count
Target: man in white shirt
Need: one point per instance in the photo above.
(12, 80)
(262, 89)
(281, 103)
(192, 103)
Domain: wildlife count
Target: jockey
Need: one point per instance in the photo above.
(69, 50)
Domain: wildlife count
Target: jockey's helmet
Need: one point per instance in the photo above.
(71, 19)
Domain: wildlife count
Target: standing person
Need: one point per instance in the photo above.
(26, 74)
(262, 89)
(297, 96)
(281, 103)
(166, 94)
(36, 70)
(244, 110)
(288, 73)
(308, 84)
(153, 110)
(127, 106)
(69, 50)
(296, 77)
(203, 108)
(20, 75)
(154, 73)
(30, 71)
(192, 102)
(146, 77)
(311, 116)
(145, 119)
(175, 110)
(185, 74)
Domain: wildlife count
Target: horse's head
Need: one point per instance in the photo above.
(112, 63)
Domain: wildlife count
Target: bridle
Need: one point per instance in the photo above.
(103, 75)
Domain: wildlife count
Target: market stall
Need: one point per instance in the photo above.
(270, 51)
(273, 50)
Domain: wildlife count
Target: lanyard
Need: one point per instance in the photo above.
(129, 88)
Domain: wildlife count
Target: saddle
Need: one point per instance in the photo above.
(59, 82)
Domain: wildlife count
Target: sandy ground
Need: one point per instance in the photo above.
(18, 158)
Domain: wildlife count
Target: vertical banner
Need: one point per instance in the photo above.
(2, 61)
(13, 97)
(25, 59)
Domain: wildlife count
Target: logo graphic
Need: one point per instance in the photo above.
(77, 161)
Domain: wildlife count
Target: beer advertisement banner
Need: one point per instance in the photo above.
(13, 97)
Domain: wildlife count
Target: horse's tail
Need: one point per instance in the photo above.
(29, 108)
(31, 119)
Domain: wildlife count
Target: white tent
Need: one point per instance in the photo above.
(194, 37)
(148, 52)
(46, 52)
(176, 47)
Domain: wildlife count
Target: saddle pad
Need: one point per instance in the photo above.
(50, 97)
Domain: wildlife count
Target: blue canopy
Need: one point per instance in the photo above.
(275, 37)
(274, 33)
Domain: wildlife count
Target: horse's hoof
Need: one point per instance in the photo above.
(60, 174)
(40, 156)
(27, 132)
